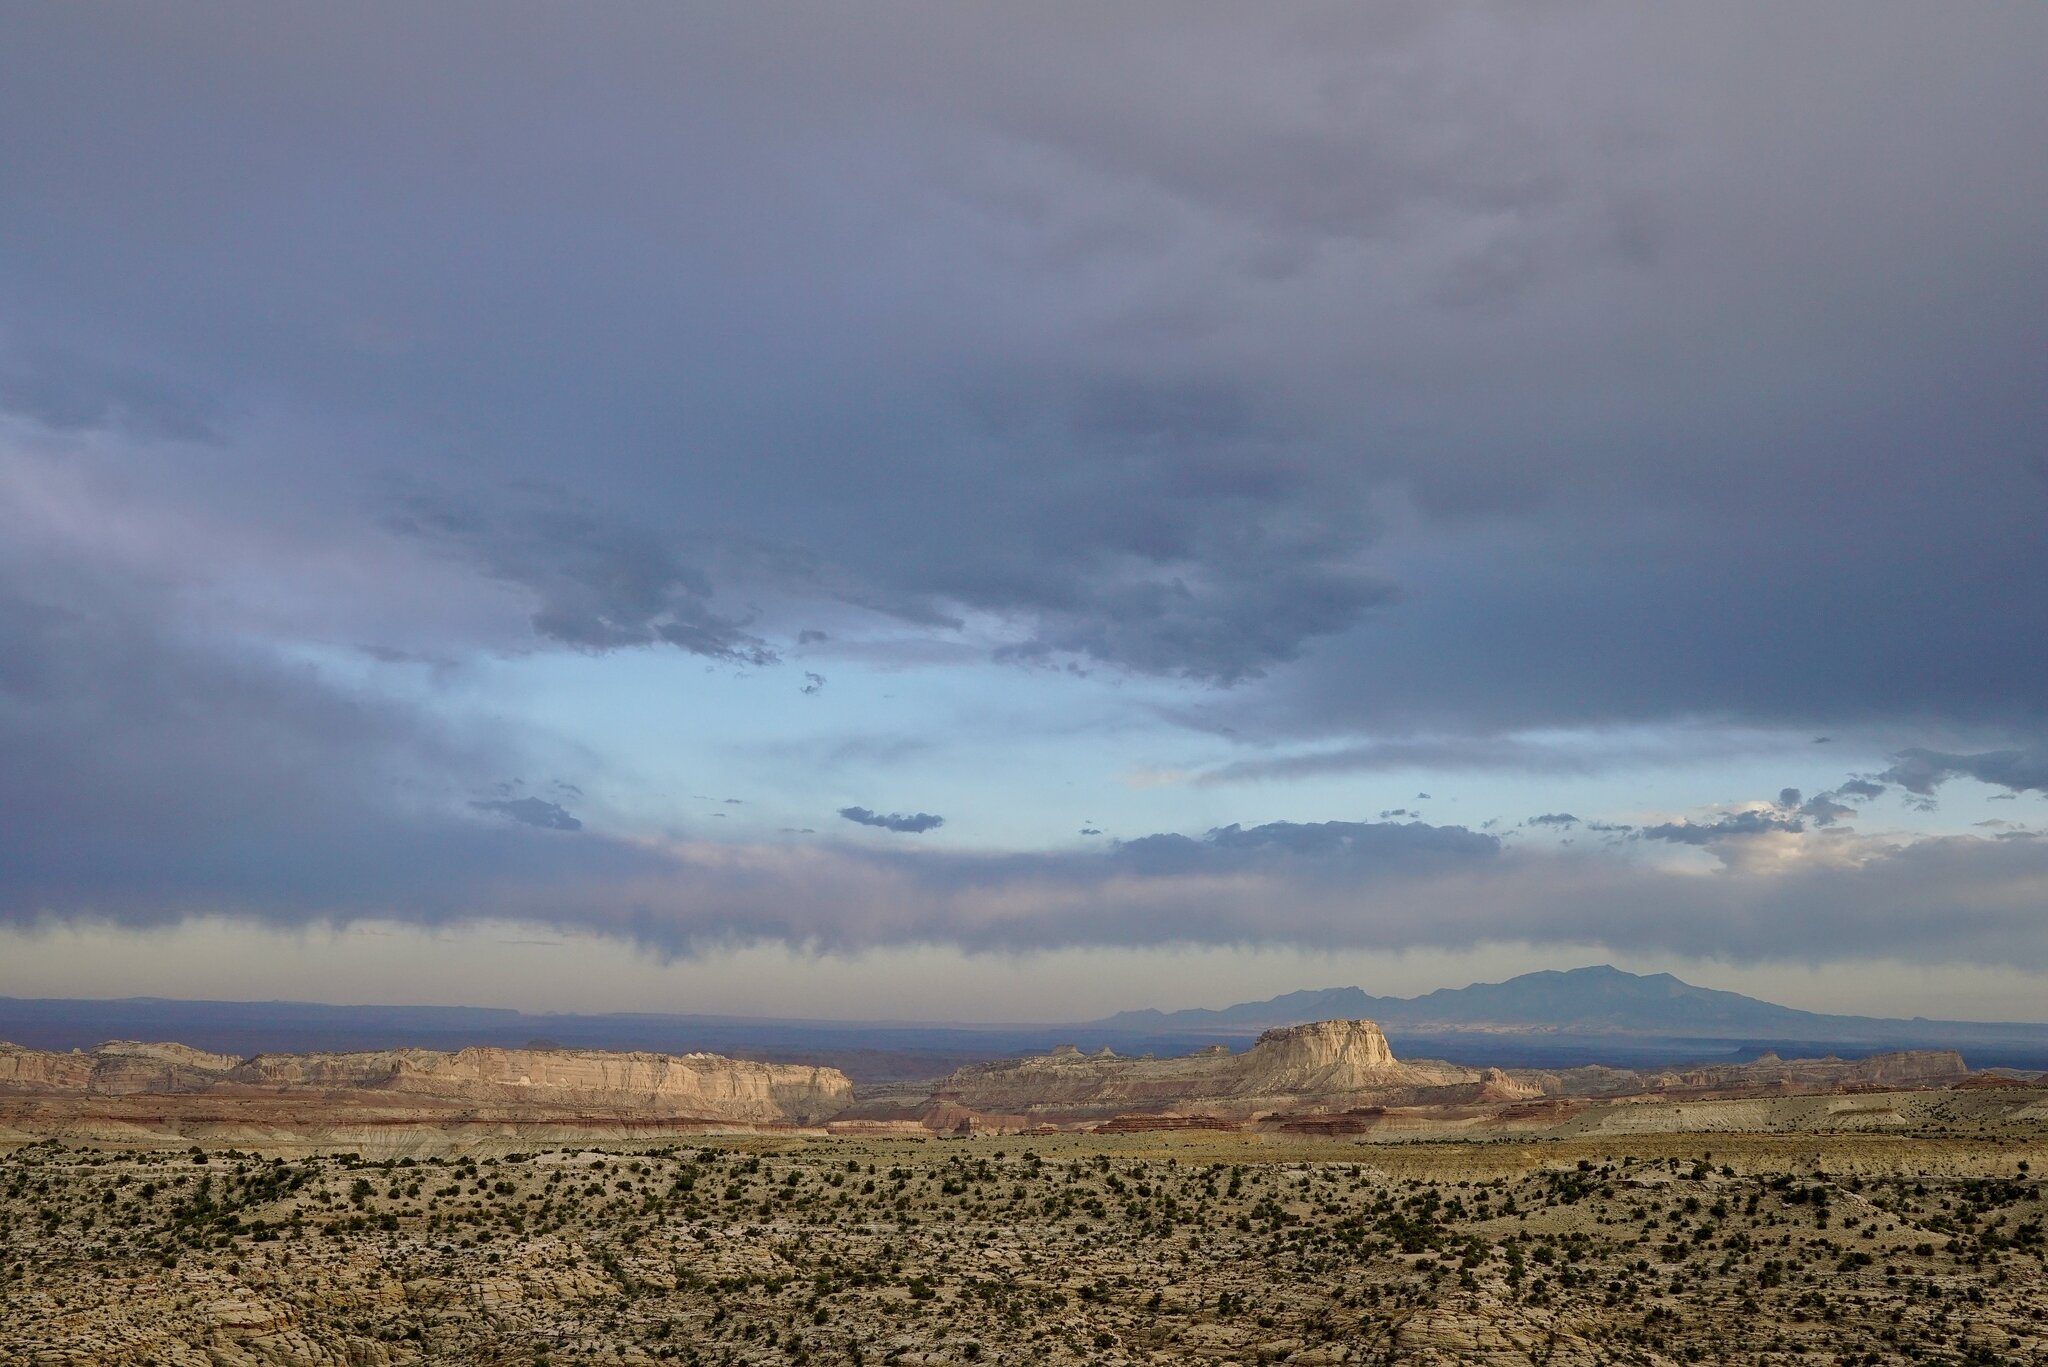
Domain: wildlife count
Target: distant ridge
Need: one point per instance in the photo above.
(1598, 1000)
(1550, 1019)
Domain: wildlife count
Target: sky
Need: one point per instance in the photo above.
(931, 511)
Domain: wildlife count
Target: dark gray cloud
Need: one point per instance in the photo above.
(1235, 630)
(1351, 884)
(916, 823)
(150, 775)
(1922, 771)
(1735, 825)
(531, 811)
(133, 794)
(1552, 819)
(68, 394)
(1822, 809)
(1278, 364)
(600, 583)
(1422, 379)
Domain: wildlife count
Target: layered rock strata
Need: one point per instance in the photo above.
(545, 1081)
(1328, 1064)
(1327, 1077)
(1309, 1077)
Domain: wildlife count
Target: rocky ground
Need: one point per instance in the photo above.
(1163, 1247)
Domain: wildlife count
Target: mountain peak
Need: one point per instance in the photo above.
(1593, 998)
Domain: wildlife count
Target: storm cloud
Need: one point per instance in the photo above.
(354, 808)
(1119, 320)
(599, 584)
(152, 775)
(1315, 397)
(1922, 771)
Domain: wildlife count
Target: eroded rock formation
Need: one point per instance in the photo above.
(1343, 1074)
(586, 1081)
(1328, 1077)
(1296, 1067)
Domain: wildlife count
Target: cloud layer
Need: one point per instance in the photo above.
(352, 808)
(1544, 392)
(1393, 352)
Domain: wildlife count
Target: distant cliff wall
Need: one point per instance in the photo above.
(703, 1086)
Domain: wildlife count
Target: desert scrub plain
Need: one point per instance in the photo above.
(1160, 1248)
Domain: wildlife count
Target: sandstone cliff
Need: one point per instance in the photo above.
(1767, 1074)
(1318, 1058)
(1328, 1076)
(114, 1068)
(694, 1086)
(1332, 1072)
(1298, 1067)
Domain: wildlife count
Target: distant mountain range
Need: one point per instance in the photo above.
(1587, 1015)
(1601, 1000)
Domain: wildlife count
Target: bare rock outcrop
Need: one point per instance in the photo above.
(1341, 1077)
(708, 1085)
(115, 1068)
(543, 1083)
(1318, 1058)
(1768, 1074)
(1326, 1064)
(1326, 1077)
